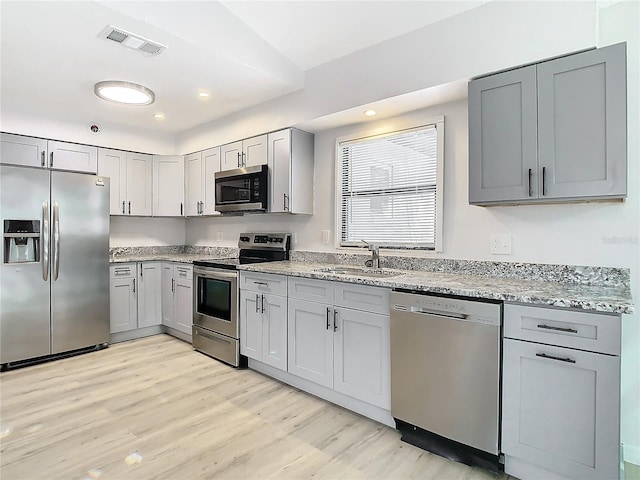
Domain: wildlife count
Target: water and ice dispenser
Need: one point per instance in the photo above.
(21, 241)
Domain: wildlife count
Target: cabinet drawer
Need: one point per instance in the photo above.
(123, 270)
(320, 291)
(264, 282)
(183, 271)
(595, 332)
(361, 297)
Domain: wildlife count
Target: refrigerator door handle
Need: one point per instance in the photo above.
(56, 241)
(45, 240)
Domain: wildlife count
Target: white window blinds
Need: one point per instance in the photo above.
(389, 192)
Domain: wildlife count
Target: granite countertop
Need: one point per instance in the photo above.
(163, 257)
(610, 299)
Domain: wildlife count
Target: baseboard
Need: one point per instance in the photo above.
(631, 454)
(176, 333)
(137, 333)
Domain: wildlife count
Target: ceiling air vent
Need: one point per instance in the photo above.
(131, 40)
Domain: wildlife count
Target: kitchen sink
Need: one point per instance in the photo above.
(358, 271)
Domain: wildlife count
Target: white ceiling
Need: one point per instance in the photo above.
(240, 52)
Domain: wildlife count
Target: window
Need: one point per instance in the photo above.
(391, 188)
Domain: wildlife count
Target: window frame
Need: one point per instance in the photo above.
(438, 123)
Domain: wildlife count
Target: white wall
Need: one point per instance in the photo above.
(142, 231)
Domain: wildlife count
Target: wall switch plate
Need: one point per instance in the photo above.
(500, 244)
(326, 236)
(294, 238)
(218, 236)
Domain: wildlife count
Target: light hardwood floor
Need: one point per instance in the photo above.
(156, 409)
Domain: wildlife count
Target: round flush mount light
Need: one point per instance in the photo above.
(159, 116)
(203, 95)
(370, 113)
(124, 93)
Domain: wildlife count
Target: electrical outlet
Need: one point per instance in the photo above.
(500, 244)
(218, 236)
(326, 236)
(294, 238)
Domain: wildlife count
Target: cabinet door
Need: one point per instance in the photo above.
(168, 186)
(279, 161)
(310, 345)
(72, 157)
(231, 156)
(251, 324)
(254, 151)
(139, 184)
(113, 164)
(362, 363)
(274, 332)
(582, 124)
(560, 409)
(193, 172)
(19, 150)
(211, 161)
(168, 289)
(183, 305)
(503, 151)
(123, 304)
(149, 294)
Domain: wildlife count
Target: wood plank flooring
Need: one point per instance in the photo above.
(155, 409)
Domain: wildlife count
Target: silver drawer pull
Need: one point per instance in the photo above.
(558, 329)
(261, 283)
(551, 357)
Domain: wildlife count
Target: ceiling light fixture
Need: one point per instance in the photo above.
(158, 115)
(370, 113)
(203, 95)
(124, 93)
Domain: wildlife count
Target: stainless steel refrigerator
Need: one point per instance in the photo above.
(54, 270)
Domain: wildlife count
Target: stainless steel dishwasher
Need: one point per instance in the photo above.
(445, 375)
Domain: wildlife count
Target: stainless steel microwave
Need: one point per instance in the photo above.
(242, 189)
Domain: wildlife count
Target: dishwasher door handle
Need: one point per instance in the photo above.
(438, 313)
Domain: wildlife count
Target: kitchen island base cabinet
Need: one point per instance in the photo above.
(263, 320)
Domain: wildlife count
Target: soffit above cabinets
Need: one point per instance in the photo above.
(240, 53)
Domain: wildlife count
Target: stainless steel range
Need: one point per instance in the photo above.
(216, 330)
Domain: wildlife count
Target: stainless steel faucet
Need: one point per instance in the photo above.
(375, 254)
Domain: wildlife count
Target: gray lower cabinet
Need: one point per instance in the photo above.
(123, 297)
(560, 405)
(149, 294)
(339, 338)
(550, 132)
(177, 296)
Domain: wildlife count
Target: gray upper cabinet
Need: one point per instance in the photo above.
(550, 132)
(37, 152)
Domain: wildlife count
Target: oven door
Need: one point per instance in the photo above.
(215, 300)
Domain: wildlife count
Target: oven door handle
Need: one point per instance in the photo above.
(208, 273)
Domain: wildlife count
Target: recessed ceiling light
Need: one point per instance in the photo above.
(158, 115)
(203, 95)
(370, 113)
(124, 93)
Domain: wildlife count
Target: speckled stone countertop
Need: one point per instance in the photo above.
(601, 298)
(171, 253)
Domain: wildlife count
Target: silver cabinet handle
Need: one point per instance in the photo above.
(551, 357)
(123, 207)
(173, 284)
(51, 160)
(530, 174)
(134, 285)
(129, 208)
(201, 208)
(558, 329)
(262, 304)
(45, 238)
(544, 174)
(180, 208)
(141, 270)
(257, 304)
(244, 159)
(328, 317)
(56, 240)
(43, 159)
(285, 203)
(335, 320)
(239, 165)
